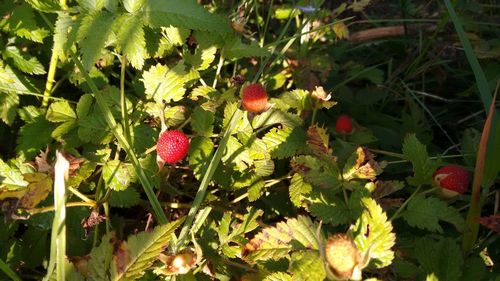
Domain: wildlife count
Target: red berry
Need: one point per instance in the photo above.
(452, 179)
(343, 124)
(255, 98)
(172, 146)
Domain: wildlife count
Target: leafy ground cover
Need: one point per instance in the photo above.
(249, 140)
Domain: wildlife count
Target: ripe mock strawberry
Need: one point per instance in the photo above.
(343, 124)
(343, 257)
(172, 146)
(452, 179)
(255, 98)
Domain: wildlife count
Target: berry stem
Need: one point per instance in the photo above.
(403, 206)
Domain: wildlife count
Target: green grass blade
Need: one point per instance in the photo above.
(8, 271)
(125, 144)
(58, 235)
(202, 190)
(474, 212)
(482, 83)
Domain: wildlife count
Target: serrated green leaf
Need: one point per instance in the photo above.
(202, 122)
(278, 276)
(62, 40)
(425, 213)
(317, 172)
(93, 128)
(60, 111)
(200, 152)
(333, 210)
(125, 198)
(63, 129)
(100, 259)
(133, 6)
(166, 84)
(141, 251)
(202, 58)
(298, 99)
(92, 35)
(204, 92)
(143, 137)
(256, 190)
(307, 265)
(23, 62)
(22, 22)
(373, 232)
(298, 188)
(46, 6)
(276, 242)
(276, 116)
(131, 40)
(176, 36)
(34, 137)
(84, 105)
(263, 167)
(442, 258)
(8, 106)
(11, 178)
(175, 116)
(11, 86)
(92, 5)
(117, 175)
(186, 14)
(83, 173)
(423, 168)
(235, 49)
(285, 142)
(237, 154)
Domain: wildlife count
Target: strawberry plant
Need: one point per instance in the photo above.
(248, 140)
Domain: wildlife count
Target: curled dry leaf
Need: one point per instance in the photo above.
(317, 140)
(363, 167)
(43, 165)
(180, 263)
(92, 220)
(492, 222)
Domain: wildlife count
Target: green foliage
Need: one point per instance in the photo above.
(426, 212)
(374, 234)
(11, 86)
(442, 258)
(23, 62)
(275, 242)
(285, 142)
(423, 167)
(307, 265)
(166, 84)
(117, 175)
(100, 79)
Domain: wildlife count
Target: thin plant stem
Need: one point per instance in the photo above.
(123, 100)
(81, 195)
(8, 271)
(403, 206)
(219, 67)
(202, 190)
(50, 79)
(52, 208)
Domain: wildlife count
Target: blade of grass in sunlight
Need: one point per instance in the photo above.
(475, 204)
(202, 190)
(8, 271)
(58, 236)
(482, 83)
